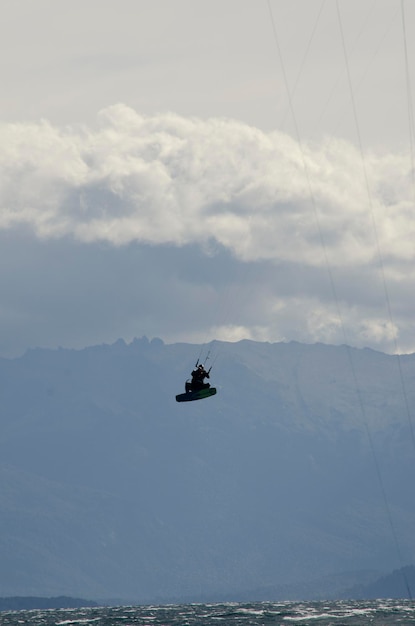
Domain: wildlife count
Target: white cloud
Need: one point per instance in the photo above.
(177, 185)
(166, 179)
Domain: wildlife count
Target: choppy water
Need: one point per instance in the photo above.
(347, 613)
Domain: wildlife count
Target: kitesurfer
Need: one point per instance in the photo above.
(198, 376)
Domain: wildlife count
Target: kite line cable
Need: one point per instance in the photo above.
(231, 302)
(317, 219)
(305, 55)
(321, 237)
(356, 120)
(362, 80)
(305, 168)
(408, 97)
(330, 274)
(340, 75)
(374, 225)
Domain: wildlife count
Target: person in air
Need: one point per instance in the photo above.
(198, 376)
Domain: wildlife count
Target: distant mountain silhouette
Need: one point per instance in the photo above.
(21, 603)
(398, 584)
(111, 489)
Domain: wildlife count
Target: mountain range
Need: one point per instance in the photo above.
(294, 481)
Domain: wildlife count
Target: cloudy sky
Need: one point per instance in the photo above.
(199, 169)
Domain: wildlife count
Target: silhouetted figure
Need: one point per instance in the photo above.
(198, 376)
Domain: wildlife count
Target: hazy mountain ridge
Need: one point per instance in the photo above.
(22, 603)
(119, 491)
(393, 585)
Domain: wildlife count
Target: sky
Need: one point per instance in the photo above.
(207, 169)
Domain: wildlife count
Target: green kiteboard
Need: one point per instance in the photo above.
(199, 394)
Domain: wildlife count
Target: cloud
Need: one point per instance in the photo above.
(169, 180)
(209, 210)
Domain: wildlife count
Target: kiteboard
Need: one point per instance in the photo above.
(199, 394)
